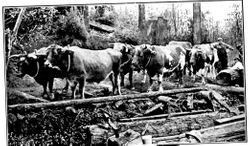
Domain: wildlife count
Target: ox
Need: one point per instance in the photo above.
(157, 60)
(126, 61)
(187, 46)
(83, 65)
(203, 57)
(33, 65)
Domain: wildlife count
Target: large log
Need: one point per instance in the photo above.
(27, 97)
(164, 116)
(229, 89)
(101, 27)
(174, 125)
(205, 135)
(76, 102)
(228, 120)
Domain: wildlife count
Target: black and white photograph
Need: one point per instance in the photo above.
(126, 73)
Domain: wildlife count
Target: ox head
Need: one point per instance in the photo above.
(197, 59)
(29, 64)
(142, 55)
(127, 54)
(58, 57)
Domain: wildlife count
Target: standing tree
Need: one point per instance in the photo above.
(197, 23)
(174, 19)
(141, 20)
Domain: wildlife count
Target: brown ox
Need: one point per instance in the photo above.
(203, 57)
(187, 46)
(83, 65)
(157, 60)
(126, 61)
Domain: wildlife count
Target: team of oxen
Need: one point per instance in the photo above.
(79, 66)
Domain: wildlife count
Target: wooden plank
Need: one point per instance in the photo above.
(229, 89)
(209, 132)
(164, 116)
(231, 119)
(28, 97)
(101, 27)
(76, 102)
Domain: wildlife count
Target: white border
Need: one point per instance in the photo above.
(3, 134)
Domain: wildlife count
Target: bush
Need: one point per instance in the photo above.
(71, 27)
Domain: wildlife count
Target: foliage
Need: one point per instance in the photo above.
(71, 27)
(234, 25)
(127, 30)
(104, 14)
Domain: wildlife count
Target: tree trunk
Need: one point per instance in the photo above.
(216, 133)
(141, 20)
(86, 16)
(197, 23)
(174, 20)
(101, 99)
(12, 37)
(154, 117)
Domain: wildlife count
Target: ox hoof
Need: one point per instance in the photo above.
(149, 90)
(52, 96)
(45, 96)
(161, 90)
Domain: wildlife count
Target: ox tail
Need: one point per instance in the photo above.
(69, 62)
(37, 69)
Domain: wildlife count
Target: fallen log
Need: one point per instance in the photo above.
(76, 102)
(229, 89)
(164, 116)
(154, 109)
(228, 120)
(27, 97)
(210, 95)
(101, 27)
(220, 99)
(205, 135)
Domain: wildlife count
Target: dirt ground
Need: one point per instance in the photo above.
(64, 126)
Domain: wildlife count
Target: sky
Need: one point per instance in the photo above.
(219, 10)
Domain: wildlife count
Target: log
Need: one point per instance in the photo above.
(12, 36)
(154, 109)
(168, 101)
(229, 89)
(76, 102)
(228, 120)
(173, 126)
(207, 133)
(125, 137)
(101, 27)
(164, 116)
(218, 98)
(210, 95)
(27, 97)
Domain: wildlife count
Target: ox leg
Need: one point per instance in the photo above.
(213, 71)
(45, 93)
(82, 83)
(144, 76)
(203, 75)
(160, 79)
(112, 81)
(73, 89)
(151, 84)
(52, 96)
(122, 79)
(131, 79)
(65, 89)
(117, 84)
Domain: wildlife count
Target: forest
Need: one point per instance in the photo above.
(33, 120)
